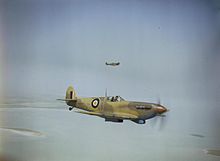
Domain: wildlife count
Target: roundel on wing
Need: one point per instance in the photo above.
(95, 103)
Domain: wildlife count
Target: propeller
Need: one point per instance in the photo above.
(158, 100)
(163, 122)
(106, 92)
(159, 121)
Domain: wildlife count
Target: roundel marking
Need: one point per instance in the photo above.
(95, 103)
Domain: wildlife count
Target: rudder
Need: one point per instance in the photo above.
(70, 93)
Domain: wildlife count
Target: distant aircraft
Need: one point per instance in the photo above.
(112, 63)
(197, 135)
(113, 108)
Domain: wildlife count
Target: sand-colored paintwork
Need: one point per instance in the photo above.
(114, 109)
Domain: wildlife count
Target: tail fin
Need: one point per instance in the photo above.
(71, 98)
(70, 93)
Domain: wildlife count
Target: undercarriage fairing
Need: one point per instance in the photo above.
(113, 120)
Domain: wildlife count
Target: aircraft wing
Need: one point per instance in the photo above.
(90, 113)
(123, 116)
(113, 115)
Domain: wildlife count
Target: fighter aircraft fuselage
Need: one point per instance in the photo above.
(118, 110)
(114, 108)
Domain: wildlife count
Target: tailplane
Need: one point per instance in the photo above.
(70, 98)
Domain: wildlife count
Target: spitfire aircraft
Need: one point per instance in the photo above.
(113, 108)
(112, 63)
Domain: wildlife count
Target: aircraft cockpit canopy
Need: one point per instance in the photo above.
(115, 98)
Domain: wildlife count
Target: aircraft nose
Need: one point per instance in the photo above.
(161, 109)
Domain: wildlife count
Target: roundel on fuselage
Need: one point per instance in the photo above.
(95, 103)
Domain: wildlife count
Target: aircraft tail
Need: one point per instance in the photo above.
(70, 93)
(70, 98)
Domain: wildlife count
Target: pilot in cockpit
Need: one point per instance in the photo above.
(112, 99)
(116, 98)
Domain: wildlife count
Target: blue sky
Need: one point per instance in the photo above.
(154, 39)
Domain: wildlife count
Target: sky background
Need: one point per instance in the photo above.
(168, 49)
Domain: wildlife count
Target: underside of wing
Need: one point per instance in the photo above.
(124, 116)
(90, 113)
(110, 115)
